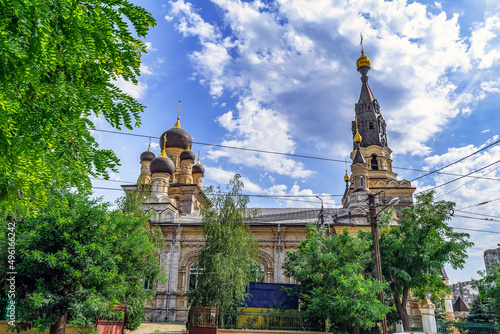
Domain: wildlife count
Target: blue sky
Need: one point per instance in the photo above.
(281, 76)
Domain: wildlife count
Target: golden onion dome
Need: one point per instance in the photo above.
(363, 60)
(346, 177)
(357, 137)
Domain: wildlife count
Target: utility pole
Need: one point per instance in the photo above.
(376, 252)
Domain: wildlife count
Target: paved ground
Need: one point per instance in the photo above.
(160, 328)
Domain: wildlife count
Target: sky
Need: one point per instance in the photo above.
(280, 76)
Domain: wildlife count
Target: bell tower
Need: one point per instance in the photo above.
(370, 145)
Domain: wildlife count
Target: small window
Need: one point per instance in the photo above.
(368, 107)
(370, 125)
(157, 186)
(194, 273)
(362, 181)
(256, 272)
(148, 285)
(374, 162)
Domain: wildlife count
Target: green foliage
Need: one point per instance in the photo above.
(76, 257)
(481, 311)
(226, 257)
(333, 284)
(489, 289)
(414, 252)
(57, 65)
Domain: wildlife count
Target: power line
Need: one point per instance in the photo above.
(277, 197)
(437, 170)
(475, 213)
(474, 230)
(479, 204)
(461, 177)
(456, 228)
(294, 155)
(466, 183)
(478, 218)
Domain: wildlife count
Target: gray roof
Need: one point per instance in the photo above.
(295, 216)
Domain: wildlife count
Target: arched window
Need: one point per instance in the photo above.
(362, 181)
(256, 272)
(374, 162)
(370, 125)
(157, 186)
(194, 272)
(368, 108)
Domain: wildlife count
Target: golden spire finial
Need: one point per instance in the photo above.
(357, 136)
(149, 145)
(187, 149)
(177, 124)
(346, 176)
(198, 158)
(363, 60)
(163, 154)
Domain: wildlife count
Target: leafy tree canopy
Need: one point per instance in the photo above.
(58, 61)
(489, 289)
(76, 259)
(333, 283)
(226, 258)
(481, 310)
(414, 252)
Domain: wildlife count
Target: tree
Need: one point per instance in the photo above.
(58, 63)
(489, 289)
(333, 284)
(75, 259)
(414, 251)
(481, 310)
(226, 258)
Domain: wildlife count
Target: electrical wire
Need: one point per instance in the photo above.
(294, 155)
(277, 197)
(475, 230)
(478, 218)
(461, 177)
(455, 162)
(479, 204)
(466, 183)
(479, 214)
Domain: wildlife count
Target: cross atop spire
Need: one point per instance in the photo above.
(178, 124)
(163, 154)
(149, 145)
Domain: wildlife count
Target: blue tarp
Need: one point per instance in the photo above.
(269, 295)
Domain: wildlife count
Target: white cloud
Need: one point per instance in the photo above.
(222, 177)
(485, 131)
(273, 51)
(135, 90)
(484, 42)
(491, 86)
(149, 47)
(144, 69)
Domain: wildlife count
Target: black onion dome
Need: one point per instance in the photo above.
(176, 137)
(147, 156)
(187, 155)
(198, 169)
(162, 165)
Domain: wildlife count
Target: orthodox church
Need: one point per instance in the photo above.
(174, 182)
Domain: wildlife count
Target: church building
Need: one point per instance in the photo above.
(174, 181)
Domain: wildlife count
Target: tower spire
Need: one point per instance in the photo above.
(178, 124)
(163, 154)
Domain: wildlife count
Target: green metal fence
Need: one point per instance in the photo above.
(265, 320)
(459, 327)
